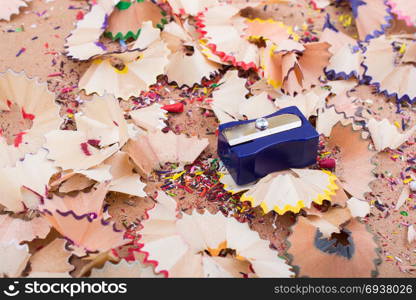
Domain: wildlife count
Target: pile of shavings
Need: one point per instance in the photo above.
(202, 179)
(111, 169)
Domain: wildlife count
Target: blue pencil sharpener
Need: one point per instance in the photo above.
(254, 148)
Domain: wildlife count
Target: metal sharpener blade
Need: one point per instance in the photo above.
(249, 131)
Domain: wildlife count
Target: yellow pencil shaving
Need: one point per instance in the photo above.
(346, 20)
(176, 176)
(403, 48)
(397, 124)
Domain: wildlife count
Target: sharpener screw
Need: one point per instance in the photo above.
(262, 124)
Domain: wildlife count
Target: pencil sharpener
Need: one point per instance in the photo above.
(254, 148)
